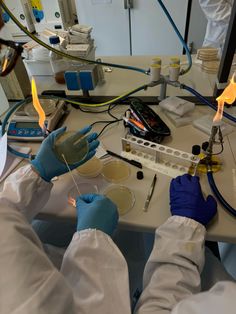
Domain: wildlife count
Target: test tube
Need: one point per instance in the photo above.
(155, 72)
(174, 70)
(156, 60)
(174, 60)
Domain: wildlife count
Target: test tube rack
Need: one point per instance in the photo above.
(163, 159)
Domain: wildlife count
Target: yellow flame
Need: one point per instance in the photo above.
(5, 63)
(37, 105)
(228, 96)
(72, 201)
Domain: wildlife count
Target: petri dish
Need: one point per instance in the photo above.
(84, 188)
(48, 106)
(91, 168)
(71, 146)
(122, 196)
(116, 171)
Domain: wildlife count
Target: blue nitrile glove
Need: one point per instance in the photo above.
(96, 212)
(186, 199)
(46, 162)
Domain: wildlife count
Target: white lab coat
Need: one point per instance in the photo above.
(94, 275)
(172, 282)
(218, 14)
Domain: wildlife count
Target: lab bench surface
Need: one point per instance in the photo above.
(118, 81)
(223, 226)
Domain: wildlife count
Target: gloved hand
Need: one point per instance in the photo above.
(186, 199)
(96, 212)
(46, 162)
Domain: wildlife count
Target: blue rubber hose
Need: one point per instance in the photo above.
(4, 124)
(217, 194)
(179, 36)
(203, 99)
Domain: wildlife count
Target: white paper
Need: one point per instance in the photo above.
(3, 152)
(12, 161)
(4, 105)
(100, 152)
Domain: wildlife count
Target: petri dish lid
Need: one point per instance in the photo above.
(71, 147)
(122, 196)
(48, 105)
(90, 168)
(116, 171)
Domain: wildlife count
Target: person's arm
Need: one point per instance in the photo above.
(218, 11)
(93, 265)
(25, 191)
(218, 14)
(28, 189)
(173, 270)
(29, 283)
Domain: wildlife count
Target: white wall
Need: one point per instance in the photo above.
(151, 31)
(197, 26)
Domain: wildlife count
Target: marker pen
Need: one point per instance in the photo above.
(138, 124)
(130, 122)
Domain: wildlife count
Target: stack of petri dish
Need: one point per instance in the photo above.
(91, 169)
(117, 171)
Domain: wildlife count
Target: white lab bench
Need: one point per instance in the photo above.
(223, 228)
(119, 81)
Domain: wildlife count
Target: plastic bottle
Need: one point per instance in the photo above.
(59, 64)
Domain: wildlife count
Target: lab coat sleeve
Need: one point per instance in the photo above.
(217, 10)
(218, 14)
(25, 191)
(219, 299)
(97, 272)
(29, 283)
(173, 270)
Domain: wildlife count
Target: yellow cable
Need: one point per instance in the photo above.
(65, 55)
(106, 103)
(73, 58)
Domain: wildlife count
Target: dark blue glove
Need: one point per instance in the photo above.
(96, 212)
(186, 199)
(46, 162)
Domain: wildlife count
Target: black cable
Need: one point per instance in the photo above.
(107, 124)
(220, 152)
(102, 121)
(112, 106)
(103, 129)
(108, 110)
(91, 111)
